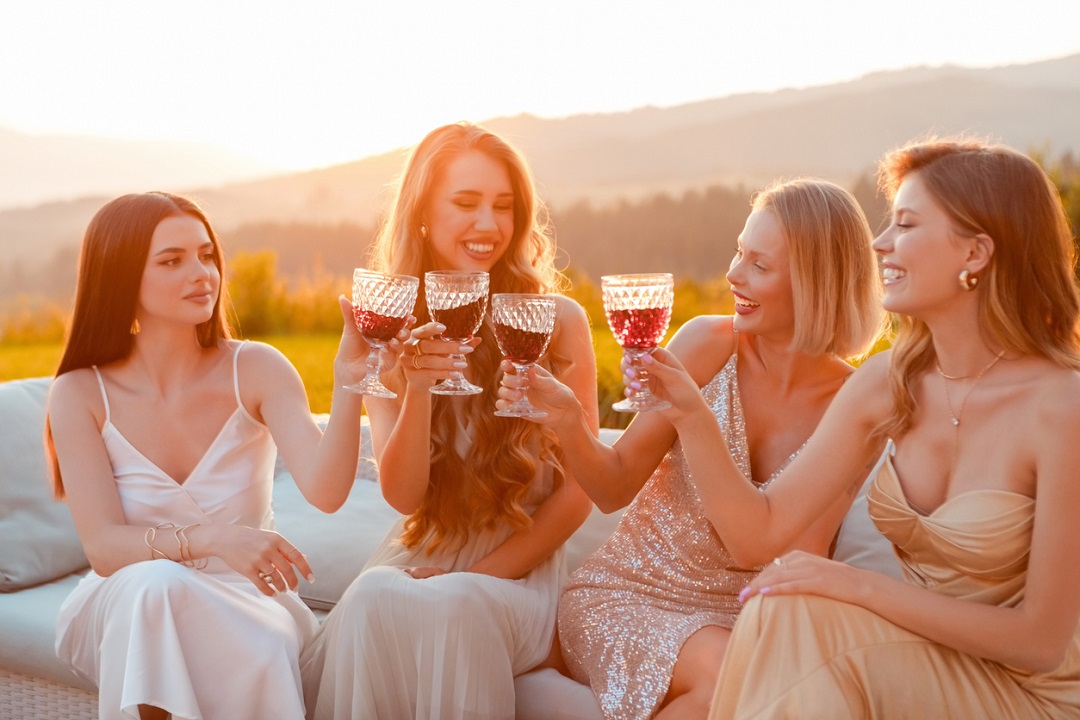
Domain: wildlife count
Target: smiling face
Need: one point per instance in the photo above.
(470, 213)
(760, 278)
(181, 280)
(921, 254)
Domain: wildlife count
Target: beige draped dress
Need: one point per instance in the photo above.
(805, 656)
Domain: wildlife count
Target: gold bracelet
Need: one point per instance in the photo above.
(185, 549)
(150, 536)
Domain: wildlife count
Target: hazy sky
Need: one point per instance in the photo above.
(305, 84)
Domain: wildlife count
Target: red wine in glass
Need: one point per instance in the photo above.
(382, 304)
(378, 328)
(523, 325)
(458, 300)
(638, 309)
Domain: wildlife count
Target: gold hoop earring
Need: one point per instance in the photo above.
(135, 329)
(423, 231)
(967, 280)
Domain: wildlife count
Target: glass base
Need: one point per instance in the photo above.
(456, 386)
(521, 410)
(641, 403)
(370, 386)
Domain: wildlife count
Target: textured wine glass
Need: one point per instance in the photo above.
(381, 306)
(458, 300)
(523, 324)
(638, 308)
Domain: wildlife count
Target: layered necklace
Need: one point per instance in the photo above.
(977, 377)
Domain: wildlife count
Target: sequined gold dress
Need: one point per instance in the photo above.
(804, 656)
(625, 614)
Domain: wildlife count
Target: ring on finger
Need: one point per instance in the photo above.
(778, 562)
(267, 577)
(416, 361)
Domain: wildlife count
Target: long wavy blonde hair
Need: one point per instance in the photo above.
(488, 486)
(1028, 300)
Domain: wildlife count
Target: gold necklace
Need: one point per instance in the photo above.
(948, 400)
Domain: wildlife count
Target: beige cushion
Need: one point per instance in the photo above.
(37, 535)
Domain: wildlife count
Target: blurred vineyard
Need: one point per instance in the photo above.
(304, 322)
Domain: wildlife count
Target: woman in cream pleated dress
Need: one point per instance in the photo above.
(978, 493)
(461, 595)
(163, 434)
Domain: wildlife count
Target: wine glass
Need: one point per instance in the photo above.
(523, 324)
(458, 300)
(638, 308)
(381, 305)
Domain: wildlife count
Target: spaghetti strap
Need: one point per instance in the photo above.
(104, 395)
(236, 381)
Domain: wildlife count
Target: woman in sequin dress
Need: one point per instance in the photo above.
(645, 619)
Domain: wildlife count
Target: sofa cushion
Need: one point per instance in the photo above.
(337, 546)
(36, 531)
(859, 543)
(28, 629)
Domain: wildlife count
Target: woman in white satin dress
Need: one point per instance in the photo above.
(461, 595)
(162, 434)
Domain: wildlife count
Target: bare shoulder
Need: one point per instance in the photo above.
(259, 359)
(1057, 399)
(571, 326)
(866, 395)
(703, 345)
(74, 392)
(568, 310)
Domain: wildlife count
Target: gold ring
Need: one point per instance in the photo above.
(419, 350)
(267, 576)
(778, 562)
(416, 361)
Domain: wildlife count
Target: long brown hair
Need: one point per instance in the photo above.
(489, 485)
(1028, 299)
(111, 264)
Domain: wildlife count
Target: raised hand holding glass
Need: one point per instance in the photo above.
(523, 325)
(638, 308)
(458, 300)
(381, 305)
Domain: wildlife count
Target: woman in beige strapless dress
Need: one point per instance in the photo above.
(981, 397)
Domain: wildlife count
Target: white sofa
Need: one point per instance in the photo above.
(41, 561)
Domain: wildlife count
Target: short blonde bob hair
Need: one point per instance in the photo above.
(834, 275)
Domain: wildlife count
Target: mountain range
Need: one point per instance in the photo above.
(836, 131)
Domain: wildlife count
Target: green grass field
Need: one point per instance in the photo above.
(313, 356)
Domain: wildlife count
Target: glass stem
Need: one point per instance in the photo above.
(374, 354)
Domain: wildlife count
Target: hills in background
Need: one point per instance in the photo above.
(742, 141)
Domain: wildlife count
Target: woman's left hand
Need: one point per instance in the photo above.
(419, 573)
(803, 573)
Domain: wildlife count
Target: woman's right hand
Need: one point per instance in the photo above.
(427, 358)
(545, 392)
(264, 557)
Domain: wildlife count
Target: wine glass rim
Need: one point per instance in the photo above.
(364, 272)
(455, 273)
(638, 277)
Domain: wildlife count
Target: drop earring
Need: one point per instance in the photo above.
(423, 231)
(967, 280)
(135, 329)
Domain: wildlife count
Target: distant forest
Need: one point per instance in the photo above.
(692, 236)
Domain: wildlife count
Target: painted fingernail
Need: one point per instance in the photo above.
(440, 327)
(465, 349)
(636, 385)
(744, 593)
(311, 578)
(461, 364)
(765, 591)
(647, 359)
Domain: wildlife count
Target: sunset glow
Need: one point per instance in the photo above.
(307, 85)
